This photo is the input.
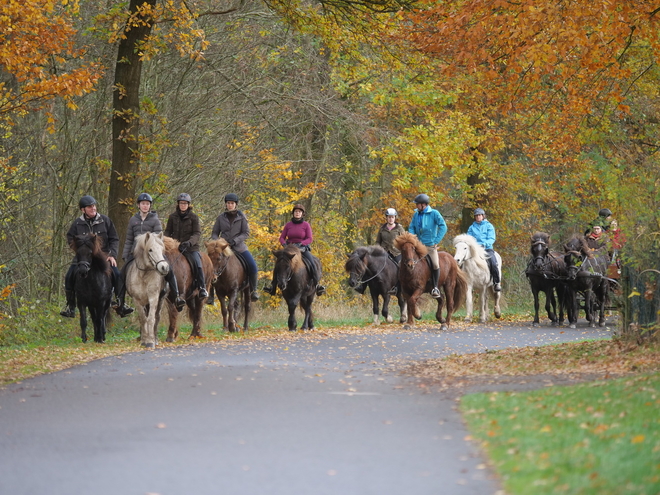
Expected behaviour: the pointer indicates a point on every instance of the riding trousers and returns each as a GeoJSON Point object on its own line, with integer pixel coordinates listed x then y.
{"type": "Point", "coordinates": [492, 266]}
{"type": "Point", "coordinates": [433, 254]}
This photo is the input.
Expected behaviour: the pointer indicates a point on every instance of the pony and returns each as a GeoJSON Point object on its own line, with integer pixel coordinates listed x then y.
{"type": "Point", "coordinates": [586, 270]}
{"type": "Point", "coordinates": [546, 272]}
{"type": "Point", "coordinates": [295, 282]}
{"type": "Point", "coordinates": [472, 259]}
{"type": "Point", "coordinates": [93, 284]}
{"type": "Point", "coordinates": [230, 280]}
{"type": "Point", "coordinates": [414, 274]}
{"type": "Point", "coordinates": [145, 282]}
{"type": "Point", "coordinates": [186, 281]}
{"type": "Point", "coordinates": [371, 265]}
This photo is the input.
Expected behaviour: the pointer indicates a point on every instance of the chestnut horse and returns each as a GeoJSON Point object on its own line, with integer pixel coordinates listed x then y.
{"type": "Point", "coordinates": [93, 284]}
{"type": "Point", "coordinates": [293, 279]}
{"type": "Point", "coordinates": [185, 279]}
{"type": "Point", "coordinates": [414, 276]}
{"type": "Point", "coordinates": [230, 281]}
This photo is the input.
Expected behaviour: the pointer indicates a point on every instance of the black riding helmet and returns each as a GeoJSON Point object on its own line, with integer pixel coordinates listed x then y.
{"type": "Point", "coordinates": [231, 197]}
{"type": "Point", "coordinates": [144, 197]}
{"type": "Point", "coordinates": [86, 201]}
{"type": "Point", "coordinates": [422, 198]}
{"type": "Point", "coordinates": [184, 197]}
{"type": "Point", "coordinates": [605, 212]}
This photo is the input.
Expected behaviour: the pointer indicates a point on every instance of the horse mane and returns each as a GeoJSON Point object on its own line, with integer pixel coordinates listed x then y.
{"type": "Point", "coordinates": [171, 245]}
{"type": "Point", "coordinates": [293, 253]}
{"type": "Point", "coordinates": [407, 237]}
{"type": "Point", "coordinates": [220, 247]}
{"type": "Point", "coordinates": [356, 257]}
{"type": "Point", "coordinates": [477, 252]}
{"type": "Point", "coordinates": [96, 244]}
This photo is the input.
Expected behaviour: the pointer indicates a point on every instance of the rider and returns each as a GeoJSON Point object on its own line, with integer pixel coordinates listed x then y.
{"type": "Point", "coordinates": [183, 225]}
{"type": "Point", "coordinates": [484, 232]}
{"type": "Point", "coordinates": [429, 227]}
{"type": "Point", "coordinates": [596, 238]}
{"type": "Point", "coordinates": [92, 222]}
{"type": "Point", "coordinates": [299, 233]}
{"type": "Point", "coordinates": [604, 219]}
{"type": "Point", "coordinates": [389, 231]}
{"type": "Point", "coordinates": [232, 226]}
{"type": "Point", "coordinates": [145, 220]}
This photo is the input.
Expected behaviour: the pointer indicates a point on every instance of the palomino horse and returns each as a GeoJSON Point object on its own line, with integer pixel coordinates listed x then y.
{"type": "Point", "coordinates": [587, 271]}
{"type": "Point", "coordinates": [371, 265]}
{"type": "Point", "coordinates": [414, 276]}
{"type": "Point", "coordinates": [546, 272]}
{"type": "Point", "coordinates": [185, 279]}
{"type": "Point", "coordinates": [145, 282]}
{"type": "Point", "coordinates": [230, 281]}
{"type": "Point", "coordinates": [93, 284]}
{"type": "Point", "coordinates": [296, 285]}
{"type": "Point", "coordinates": [472, 259]}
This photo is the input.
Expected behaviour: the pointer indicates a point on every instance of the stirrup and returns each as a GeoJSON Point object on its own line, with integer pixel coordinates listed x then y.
{"type": "Point", "coordinates": [320, 290]}
{"type": "Point", "coordinates": [179, 303]}
{"type": "Point", "coordinates": [68, 312]}
{"type": "Point", "coordinates": [124, 310]}
{"type": "Point", "coordinates": [202, 292]}
{"type": "Point", "coordinates": [497, 287]}
{"type": "Point", "coordinates": [435, 292]}
{"type": "Point", "coordinates": [210, 301]}
{"type": "Point", "coordinates": [254, 295]}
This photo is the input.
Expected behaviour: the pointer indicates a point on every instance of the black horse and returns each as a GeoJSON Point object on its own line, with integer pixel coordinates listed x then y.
{"type": "Point", "coordinates": [93, 284]}
{"type": "Point", "coordinates": [586, 274]}
{"type": "Point", "coordinates": [546, 272]}
{"type": "Point", "coordinates": [371, 265]}
{"type": "Point", "coordinates": [296, 283]}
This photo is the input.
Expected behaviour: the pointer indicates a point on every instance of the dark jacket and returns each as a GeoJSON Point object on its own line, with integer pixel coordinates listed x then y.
{"type": "Point", "coordinates": [184, 228]}
{"type": "Point", "coordinates": [232, 228]}
{"type": "Point", "coordinates": [385, 238]}
{"type": "Point", "coordinates": [100, 225]}
{"type": "Point", "coordinates": [136, 227]}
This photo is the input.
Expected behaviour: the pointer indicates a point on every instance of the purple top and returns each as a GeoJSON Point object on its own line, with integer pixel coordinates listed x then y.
{"type": "Point", "coordinates": [297, 233]}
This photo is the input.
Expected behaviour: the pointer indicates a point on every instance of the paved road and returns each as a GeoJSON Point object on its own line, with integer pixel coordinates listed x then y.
{"type": "Point", "coordinates": [311, 415]}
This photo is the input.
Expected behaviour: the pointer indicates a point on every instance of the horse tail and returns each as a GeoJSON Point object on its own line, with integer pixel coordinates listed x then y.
{"type": "Point", "coordinates": [460, 288]}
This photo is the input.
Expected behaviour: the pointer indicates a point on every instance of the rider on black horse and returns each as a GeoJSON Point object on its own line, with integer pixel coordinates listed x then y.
{"type": "Point", "coordinates": [389, 231]}
{"type": "Point", "coordinates": [484, 232]}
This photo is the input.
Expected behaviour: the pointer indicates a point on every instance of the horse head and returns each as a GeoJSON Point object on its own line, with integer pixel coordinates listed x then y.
{"type": "Point", "coordinates": [576, 252]}
{"type": "Point", "coordinates": [356, 266]}
{"type": "Point", "coordinates": [86, 246]}
{"type": "Point", "coordinates": [287, 262]}
{"type": "Point", "coordinates": [149, 252]}
{"type": "Point", "coordinates": [540, 247]}
{"type": "Point", "coordinates": [219, 252]}
{"type": "Point", "coordinates": [412, 249]}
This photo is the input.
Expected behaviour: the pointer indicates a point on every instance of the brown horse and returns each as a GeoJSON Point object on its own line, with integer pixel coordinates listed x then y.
{"type": "Point", "coordinates": [185, 279]}
{"type": "Point", "coordinates": [230, 281]}
{"type": "Point", "coordinates": [414, 276]}
{"type": "Point", "coordinates": [293, 279]}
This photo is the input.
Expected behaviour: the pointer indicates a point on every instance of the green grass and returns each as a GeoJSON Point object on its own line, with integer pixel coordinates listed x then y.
{"type": "Point", "coordinates": [601, 438]}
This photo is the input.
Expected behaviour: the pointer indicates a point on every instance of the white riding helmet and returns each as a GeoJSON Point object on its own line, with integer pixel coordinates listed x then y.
{"type": "Point", "coordinates": [390, 212]}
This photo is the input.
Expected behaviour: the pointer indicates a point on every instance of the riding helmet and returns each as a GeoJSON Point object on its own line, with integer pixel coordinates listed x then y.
{"type": "Point", "coordinates": [422, 198]}
{"type": "Point", "coordinates": [298, 207]}
{"type": "Point", "coordinates": [390, 212]}
{"type": "Point", "coordinates": [479, 211]}
{"type": "Point", "coordinates": [231, 197]}
{"type": "Point", "coordinates": [145, 197]}
{"type": "Point", "coordinates": [184, 197]}
{"type": "Point", "coordinates": [86, 201]}
{"type": "Point", "coordinates": [605, 212]}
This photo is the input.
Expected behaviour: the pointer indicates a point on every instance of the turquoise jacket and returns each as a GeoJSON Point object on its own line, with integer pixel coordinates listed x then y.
{"type": "Point", "coordinates": [428, 226]}
{"type": "Point", "coordinates": [483, 232]}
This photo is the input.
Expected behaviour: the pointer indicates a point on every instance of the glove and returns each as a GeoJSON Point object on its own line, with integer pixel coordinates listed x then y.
{"type": "Point", "coordinates": [183, 246]}
{"type": "Point", "coordinates": [232, 243]}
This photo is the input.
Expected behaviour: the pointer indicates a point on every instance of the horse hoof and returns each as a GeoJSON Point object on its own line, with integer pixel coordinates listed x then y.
{"type": "Point", "coordinates": [169, 339]}
{"type": "Point", "coordinates": [444, 328]}
{"type": "Point", "coordinates": [468, 320]}
{"type": "Point", "coordinates": [150, 345]}
{"type": "Point", "coordinates": [390, 319]}
{"type": "Point", "coordinates": [498, 314]}
{"type": "Point", "coordinates": [572, 325]}
{"type": "Point", "coordinates": [537, 324]}
{"type": "Point", "coordinates": [407, 327]}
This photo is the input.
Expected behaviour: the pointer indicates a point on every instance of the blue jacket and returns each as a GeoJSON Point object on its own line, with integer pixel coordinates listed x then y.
{"type": "Point", "coordinates": [428, 226]}
{"type": "Point", "coordinates": [483, 232]}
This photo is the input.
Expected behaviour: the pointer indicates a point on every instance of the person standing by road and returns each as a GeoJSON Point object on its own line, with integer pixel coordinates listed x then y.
{"type": "Point", "coordinates": [430, 228]}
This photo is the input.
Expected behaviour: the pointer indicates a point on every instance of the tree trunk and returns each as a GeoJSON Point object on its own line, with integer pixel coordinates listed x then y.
{"type": "Point", "coordinates": [125, 119]}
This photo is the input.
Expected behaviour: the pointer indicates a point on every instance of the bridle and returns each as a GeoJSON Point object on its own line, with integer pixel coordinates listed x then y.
{"type": "Point", "coordinates": [154, 264]}
{"type": "Point", "coordinates": [360, 281]}
{"type": "Point", "coordinates": [414, 261]}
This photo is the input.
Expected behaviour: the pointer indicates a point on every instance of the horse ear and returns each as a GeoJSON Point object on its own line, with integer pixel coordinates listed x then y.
{"type": "Point", "coordinates": [161, 235]}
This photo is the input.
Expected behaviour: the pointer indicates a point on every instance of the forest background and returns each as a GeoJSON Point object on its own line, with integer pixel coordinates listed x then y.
{"type": "Point", "coordinates": [540, 113]}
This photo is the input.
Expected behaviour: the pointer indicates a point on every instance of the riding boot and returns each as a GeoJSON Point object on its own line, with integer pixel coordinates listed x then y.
{"type": "Point", "coordinates": [211, 299]}
{"type": "Point", "coordinates": [69, 310]}
{"type": "Point", "coordinates": [179, 302]}
{"type": "Point", "coordinates": [494, 274]}
{"type": "Point", "coordinates": [435, 276]}
{"type": "Point", "coordinates": [254, 292]}
{"type": "Point", "coordinates": [320, 289]}
{"type": "Point", "coordinates": [201, 284]}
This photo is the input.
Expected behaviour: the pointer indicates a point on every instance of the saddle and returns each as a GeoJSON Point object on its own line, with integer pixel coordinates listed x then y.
{"type": "Point", "coordinates": [242, 260]}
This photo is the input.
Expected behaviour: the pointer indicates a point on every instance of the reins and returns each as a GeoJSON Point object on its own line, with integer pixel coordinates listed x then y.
{"type": "Point", "coordinates": [377, 273]}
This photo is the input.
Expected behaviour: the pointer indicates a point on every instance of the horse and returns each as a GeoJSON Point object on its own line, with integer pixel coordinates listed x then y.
{"type": "Point", "coordinates": [372, 265]}
{"type": "Point", "coordinates": [185, 279]}
{"type": "Point", "coordinates": [473, 260]}
{"type": "Point", "coordinates": [145, 282]}
{"type": "Point", "coordinates": [414, 276]}
{"type": "Point", "coordinates": [587, 271]}
{"type": "Point", "coordinates": [230, 280]}
{"type": "Point", "coordinates": [546, 272]}
{"type": "Point", "coordinates": [93, 284]}
{"type": "Point", "coordinates": [295, 282]}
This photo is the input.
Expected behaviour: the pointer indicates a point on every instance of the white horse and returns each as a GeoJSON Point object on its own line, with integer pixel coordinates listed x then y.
{"type": "Point", "coordinates": [471, 257]}
{"type": "Point", "coordinates": [145, 282]}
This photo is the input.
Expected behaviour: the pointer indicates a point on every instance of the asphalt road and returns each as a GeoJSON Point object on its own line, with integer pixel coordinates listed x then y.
{"type": "Point", "coordinates": [311, 415]}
